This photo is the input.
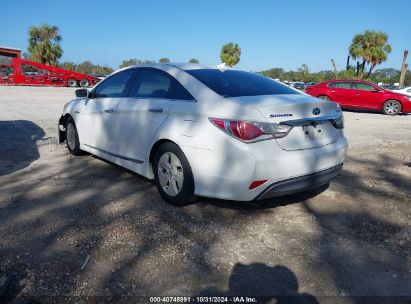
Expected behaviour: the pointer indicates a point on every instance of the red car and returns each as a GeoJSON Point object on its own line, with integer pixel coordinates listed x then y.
{"type": "Point", "coordinates": [358, 94]}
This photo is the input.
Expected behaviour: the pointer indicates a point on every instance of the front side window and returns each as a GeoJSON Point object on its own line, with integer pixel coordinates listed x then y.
{"type": "Point", "coordinates": [151, 84]}
{"type": "Point", "coordinates": [233, 83]}
{"type": "Point", "coordinates": [113, 86]}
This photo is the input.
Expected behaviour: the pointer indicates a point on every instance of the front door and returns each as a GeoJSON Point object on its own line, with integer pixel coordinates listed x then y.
{"type": "Point", "coordinates": [367, 96]}
{"type": "Point", "coordinates": [97, 118]}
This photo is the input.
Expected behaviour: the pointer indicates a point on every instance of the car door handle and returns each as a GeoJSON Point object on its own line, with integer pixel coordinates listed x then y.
{"type": "Point", "coordinates": [332, 91]}
{"type": "Point", "coordinates": [156, 110]}
{"type": "Point", "coordinates": [109, 111]}
{"type": "Point", "coordinates": [357, 94]}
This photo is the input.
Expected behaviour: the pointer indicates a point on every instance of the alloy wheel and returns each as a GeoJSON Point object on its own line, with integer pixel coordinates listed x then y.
{"type": "Point", "coordinates": [71, 136]}
{"type": "Point", "coordinates": [170, 173]}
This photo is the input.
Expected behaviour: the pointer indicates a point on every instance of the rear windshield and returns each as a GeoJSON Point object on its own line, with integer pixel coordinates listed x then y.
{"type": "Point", "coordinates": [233, 83]}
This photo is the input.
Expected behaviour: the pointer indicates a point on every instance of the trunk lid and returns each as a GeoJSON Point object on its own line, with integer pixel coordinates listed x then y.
{"type": "Point", "coordinates": [309, 116]}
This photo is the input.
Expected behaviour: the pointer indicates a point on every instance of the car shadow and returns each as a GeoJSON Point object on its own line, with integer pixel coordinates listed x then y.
{"type": "Point", "coordinates": [18, 141]}
{"type": "Point", "coordinates": [263, 283]}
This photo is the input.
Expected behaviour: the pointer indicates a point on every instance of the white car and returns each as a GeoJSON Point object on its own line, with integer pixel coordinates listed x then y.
{"type": "Point", "coordinates": [405, 91]}
{"type": "Point", "coordinates": [208, 131]}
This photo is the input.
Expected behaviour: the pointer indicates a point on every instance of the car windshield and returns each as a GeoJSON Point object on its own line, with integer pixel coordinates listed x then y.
{"type": "Point", "coordinates": [233, 83]}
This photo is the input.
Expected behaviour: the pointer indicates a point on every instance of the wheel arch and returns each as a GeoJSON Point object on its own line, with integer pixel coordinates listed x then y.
{"type": "Point", "coordinates": [394, 99]}
{"type": "Point", "coordinates": [62, 130]}
{"type": "Point", "coordinates": [156, 146]}
{"type": "Point", "coordinates": [391, 99]}
{"type": "Point", "coordinates": [319, 95]}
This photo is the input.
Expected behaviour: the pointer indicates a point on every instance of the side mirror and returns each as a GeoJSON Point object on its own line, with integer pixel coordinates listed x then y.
{"type": "Point", "coordinates": [81, 93]}
{"type": "Point", "coordinates": [376, 90]}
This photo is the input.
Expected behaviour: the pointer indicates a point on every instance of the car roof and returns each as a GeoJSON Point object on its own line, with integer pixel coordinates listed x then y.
{"type": "Point", "coordinates": [350, 80]}
{"type": "Point", "coordinates": [182, 66]}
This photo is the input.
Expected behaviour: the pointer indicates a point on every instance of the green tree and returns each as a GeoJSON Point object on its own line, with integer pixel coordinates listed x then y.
{"type": "Point", "coordinates": [85, 67]}
{"type": "Point", "coordinates": [372, 47]}
{"type": "Point", "coordinates": [275, 73]}
{"type": "Point", "coordinates": [68, 66]}
{"type": "Point", "coordinates": [134, 61]}
{"type": "Point", "coordinates": [304, 72]}
{"type": "Point", "coordinates": [193, 60]}
{"type": "Point", "coordinates": [230, 54]}
{"type": "Point", "coordinates": [44, 44]}
{"type": "Point", "coordinates": [164, 59]}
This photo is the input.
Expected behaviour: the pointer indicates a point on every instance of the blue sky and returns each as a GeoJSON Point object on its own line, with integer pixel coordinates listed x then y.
{"type": "Point", "coordinates": [270, 33]}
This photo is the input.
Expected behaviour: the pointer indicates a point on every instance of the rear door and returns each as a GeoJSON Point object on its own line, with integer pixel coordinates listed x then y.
{"type": "Point", "coordinates": [342, 93]}
{"type": "Point", "coordinates": [97, 118]}
{"type": "Point", "coordinates": [139, 116]}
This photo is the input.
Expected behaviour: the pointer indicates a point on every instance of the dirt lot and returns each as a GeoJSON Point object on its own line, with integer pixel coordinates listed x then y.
{"type": "Point", "coordinates": [352, 240]}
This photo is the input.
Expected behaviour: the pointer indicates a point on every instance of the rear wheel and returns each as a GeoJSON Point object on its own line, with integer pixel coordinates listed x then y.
{"type": "Point", "coordinates": [72, 141]}
{"type": "Point", "coordinates": [71, 83]}
{"type": "Point", "coordinates": [84, 83]}
{"type": "Point", "coordinates": [173, 176]}
{"type": "Point", "coordinates": [391, 107]}
{"type": "Point", "coordinates": [324, 97]}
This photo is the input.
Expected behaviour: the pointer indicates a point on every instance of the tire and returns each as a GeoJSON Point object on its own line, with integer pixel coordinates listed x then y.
{"type": "Point", "coordinates": [71, 83]}
{"type": "Point", "coordinates": [72, 141]}
{"type": "Point", "coordinates": [173, 175]}
{"type": "Point", "coordinates": [324, 97]}
{"type": "Point", "coordinates": [391, 107]}
{"type": "Point", "coordinates": [84, 83]}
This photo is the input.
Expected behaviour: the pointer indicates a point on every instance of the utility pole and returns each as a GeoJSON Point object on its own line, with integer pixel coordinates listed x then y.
{"type": "Point", "coordinates": [403, 68]}
{"type": "Point", "coordinates": [334, 68]}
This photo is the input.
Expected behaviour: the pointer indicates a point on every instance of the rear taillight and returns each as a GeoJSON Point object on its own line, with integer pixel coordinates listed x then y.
{"type": "Point", "coordinates": [249, 131]}
{"type": "Point", "coordinates": [338, 123]}
{"type": "Point", "coordinates": [245, 130]}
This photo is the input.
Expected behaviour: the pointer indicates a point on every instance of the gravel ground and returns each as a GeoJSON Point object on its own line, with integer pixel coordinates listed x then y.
{"type": "Point", "coordinates": [80, 228]}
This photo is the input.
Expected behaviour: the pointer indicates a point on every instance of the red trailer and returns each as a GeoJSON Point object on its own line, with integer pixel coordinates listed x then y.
{"type": "Point", "coordinates": [25, 72]}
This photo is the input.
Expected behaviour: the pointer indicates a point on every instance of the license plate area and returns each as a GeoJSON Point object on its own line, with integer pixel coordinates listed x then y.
{"type": "Point", "coordinates": [313, 131]}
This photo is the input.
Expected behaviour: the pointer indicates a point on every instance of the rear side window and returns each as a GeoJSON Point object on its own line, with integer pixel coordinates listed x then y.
{"type": "Point", "coordinates": [151, 84]}
{"type": "Point", "coordinates": [113, 86]}
{"type": "Point", "coordinates": [340, 85]}
{"type": "Point", "coordinates": [233, 83]}
{"type": "Point", "coordinates": [179, 92]}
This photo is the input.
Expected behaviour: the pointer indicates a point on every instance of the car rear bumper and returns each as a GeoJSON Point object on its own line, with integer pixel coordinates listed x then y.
{"type": "Point", "coordinates": [228, 174]}
{"type": "Point", "coordinates": [301, 183]}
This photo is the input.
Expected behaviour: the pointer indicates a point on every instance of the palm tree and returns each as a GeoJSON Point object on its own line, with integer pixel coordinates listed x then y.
{"type": "Point", "coordinates": [164, 59]}
{"type": "Point", "coordinates": [230, 54]}
{"type": "Point", "coordinates": [44, 44]}
{"type": "Point", "coordinates": [193, 60]}
{"type": "Point", "coordinates": [372, 47]}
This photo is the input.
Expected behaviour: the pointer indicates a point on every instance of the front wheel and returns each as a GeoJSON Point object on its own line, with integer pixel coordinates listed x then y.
{"type": "Point", "coordinates": [391, 107]}
{"type": "Point", "coordinates": [173, 176]}
{"type": "Point", "coordinates": [73, 143]}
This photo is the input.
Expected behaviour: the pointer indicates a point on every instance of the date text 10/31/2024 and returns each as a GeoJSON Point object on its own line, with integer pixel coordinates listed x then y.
{"type": "Point", "coordinates": [203, 299]}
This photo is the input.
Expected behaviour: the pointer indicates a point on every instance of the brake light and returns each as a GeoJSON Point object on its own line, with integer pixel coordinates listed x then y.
{"type": "Point", "coordinates": [245, 130]}
{"type": "Point", "coordinates": [249, 131]}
